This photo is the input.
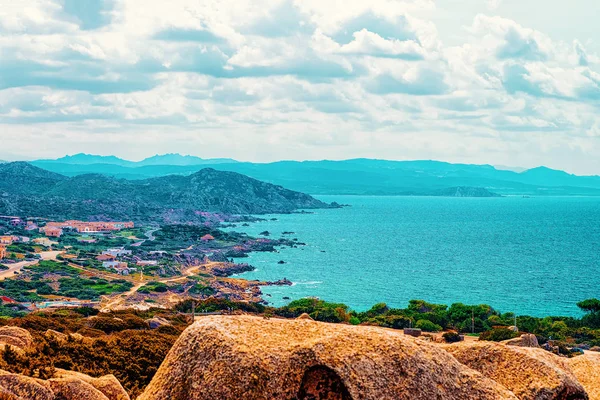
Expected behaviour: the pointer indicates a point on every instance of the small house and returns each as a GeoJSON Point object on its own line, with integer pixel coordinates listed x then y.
{"type": "Point", "coordinates": [143, 263]}
{"type": "Point", "coordinates": [114, 264]}
{"type": "Point", "coordinates": [7, 240]}
{"type": "Point", "coordinates": [207, 238]}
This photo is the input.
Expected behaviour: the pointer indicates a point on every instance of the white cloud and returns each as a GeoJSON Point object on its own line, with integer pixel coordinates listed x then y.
{"type": "Point", "coordinates": [310, 78]}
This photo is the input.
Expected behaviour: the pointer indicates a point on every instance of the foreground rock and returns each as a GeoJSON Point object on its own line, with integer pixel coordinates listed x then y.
{"type": "Point", "coordinates": [74, 389]}
{"type": "Point", "coordinates": [587, 369]}
{"type": "Point", "coordinates": [531, 374]}
{"type": "Point", "coordinates": [17, 338]}
{"type": "Point", "coordinates": [247, 357]}
{"type": "Point", "coordinates": [66, 385]}
{"type": "Point", "coordinates": [16, 387]}
{"type": "Point", "coordinates": [108, 385]}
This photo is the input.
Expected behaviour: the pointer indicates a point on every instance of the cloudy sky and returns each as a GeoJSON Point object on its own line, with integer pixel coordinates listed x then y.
{"type": "Point", "coordinates": [507, 82]}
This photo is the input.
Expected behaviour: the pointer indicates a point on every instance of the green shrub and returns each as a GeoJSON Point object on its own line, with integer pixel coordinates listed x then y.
{"type": "Point", "coordinates": [354, 321]}
{"type": "Point", "coordinates": [427, 326]}
{"type": "Point", "coordinates": [498, 335]}
{"type": "Point", "coordinates": [451, 337]}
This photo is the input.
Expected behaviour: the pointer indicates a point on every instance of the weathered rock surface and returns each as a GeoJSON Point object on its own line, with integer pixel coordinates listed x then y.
{"type": "Point", "coordinates": [587, 370]}
{"type": "Point", "coordinates": [108, 385]}
{"type": "Point", "coordinates": [17, 387]}
{"type": "Point", "coordinates": [245, 357]}
{"type": "Point", "coordinates": [74, 389]}
{"type": "Point", "coordinates": [157, 322]}
{"type": "Point", "coordinates": [66, 385]}
{"type": "Point", "coordinates": [527, 340]}
{"type": "Point", "coordinates": [531, 374]}
{"type": "Point", "coordinates": [17, 338]}
{"type": "Point", "coordinates": [58, 336]}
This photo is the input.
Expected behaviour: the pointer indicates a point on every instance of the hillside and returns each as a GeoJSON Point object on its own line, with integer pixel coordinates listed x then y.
{"type": "Point", "coordinates": [358, 176]}
{"type": "Point", "coordinates": [28, 190]}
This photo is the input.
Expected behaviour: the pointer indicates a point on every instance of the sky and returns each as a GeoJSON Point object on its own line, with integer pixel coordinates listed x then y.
{"type": "Point", "coordinates": [502, 82]}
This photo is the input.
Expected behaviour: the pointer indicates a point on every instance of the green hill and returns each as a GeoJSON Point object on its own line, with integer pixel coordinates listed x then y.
{"type": "Point", "coordinates": [31, 191]}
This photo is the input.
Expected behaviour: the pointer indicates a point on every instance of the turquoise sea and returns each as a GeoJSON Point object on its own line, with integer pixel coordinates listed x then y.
{"type": "Point", "coordinates": [535, 256]}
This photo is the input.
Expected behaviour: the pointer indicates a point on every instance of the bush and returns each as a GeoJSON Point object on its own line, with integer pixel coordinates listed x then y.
{"type": "Point", "coordinates": [498, 335]}
{"type": "Point", "coordinates": [427, 326]}
{"type": "Point", "coordinates": [451, 337]}
{"type": "Point", "coordinates": [354, 321]}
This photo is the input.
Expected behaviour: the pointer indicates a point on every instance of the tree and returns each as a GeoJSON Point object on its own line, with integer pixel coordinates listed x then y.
{"type": "Point", "coordinates": [592, 308]}
{"type": "Point", "coordinates": [590, 305]}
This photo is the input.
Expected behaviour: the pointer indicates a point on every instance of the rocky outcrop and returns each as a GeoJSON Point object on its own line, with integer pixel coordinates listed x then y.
{"type": "Point", "coordinates": [108, 385]}
{"type": "Point", "coordinates": [74, 389]}
{"type": "Point", "coordinates": [66, 385]}
{"type": "Point", "coordinates": [17, 387]}
{"type": "Point", "coordinates": [527, 340]}
{"type": "Point", "coordinates": [587, 369]}
{"type": "Point", "coordinates": [157, 322]}
{"type": "Point", "coordinates": [531, 374]}
{"type": "Point", "coordinates": [17, 338]}
{"type": "Point", "coordinates": [247, 357]}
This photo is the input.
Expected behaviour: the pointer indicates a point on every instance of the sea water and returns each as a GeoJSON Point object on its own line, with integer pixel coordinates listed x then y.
{"type": "Point", "coordinates": [537, 256]}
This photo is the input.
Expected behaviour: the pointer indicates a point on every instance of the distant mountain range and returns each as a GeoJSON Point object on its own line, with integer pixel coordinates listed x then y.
{"type": "Point", "coordinates": [82, 159]}
{"type": "Point", "coordinates": [27, 190]}
{"type": "Point", "coordinates": [357, 176]}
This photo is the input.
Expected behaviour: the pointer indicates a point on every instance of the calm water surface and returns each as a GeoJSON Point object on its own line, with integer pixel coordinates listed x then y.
{"type": "Point", "coordinates": [536, 256]}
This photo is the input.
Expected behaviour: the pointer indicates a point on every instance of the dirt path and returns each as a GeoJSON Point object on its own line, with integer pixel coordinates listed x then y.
{"type": "Point", "coordinates": [17, 267]}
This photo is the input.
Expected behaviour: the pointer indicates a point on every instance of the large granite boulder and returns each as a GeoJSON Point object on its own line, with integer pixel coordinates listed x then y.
{"type": "Point", "coordinates": [531, 374]}
{"type": "Point", "coordinates": [244, 357]}
{"type": "Point", "coordinates": [74, 389]}
{"type": "Point", "coordinates": [18, 339]}
{"type": "Point", "coordinates": [108, 385]}
{"type": "Point", "coordinates": [65, 385]}
{"type": "Point", "coordinates": [19, 387]}
{"type": "Point", "coordinates": [587, 369]}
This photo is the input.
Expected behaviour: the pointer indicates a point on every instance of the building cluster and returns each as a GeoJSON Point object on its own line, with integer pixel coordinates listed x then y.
{"type": "Point", "coordinates": [7, 240]}
{"type": "Point", "coordinates": [55, 229]}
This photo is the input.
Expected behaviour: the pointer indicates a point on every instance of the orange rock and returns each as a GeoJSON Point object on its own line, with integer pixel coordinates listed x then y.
{"type": "Point", "coordinates": [18, 338]}
{"type": "Point", "coordinates": [19, 387]}
{"type": "Point", "coordinates": [531, 374]}
{"type": "Point", "coordinates": [74, 389]}
{"type": "Point", "coordinates": [587, 369]}
{"type": "Point", "coordinates": [244, 357]}
{"type": "Point", "coordinates": [108, 384]}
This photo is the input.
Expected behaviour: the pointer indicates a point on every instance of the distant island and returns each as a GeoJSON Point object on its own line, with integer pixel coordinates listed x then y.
{"type": "Point", "coordinates": [351, 177]}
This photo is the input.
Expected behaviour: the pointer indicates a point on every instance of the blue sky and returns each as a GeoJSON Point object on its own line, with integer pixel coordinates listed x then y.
{"type": "Point", "coordinates": [479, 81]}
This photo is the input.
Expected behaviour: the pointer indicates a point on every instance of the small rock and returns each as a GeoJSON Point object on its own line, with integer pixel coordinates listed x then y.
{"type": "Point", "coordinates": [527, 340]}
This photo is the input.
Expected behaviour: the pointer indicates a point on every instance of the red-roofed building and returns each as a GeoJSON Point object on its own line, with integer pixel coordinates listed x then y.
{"type": "Point", "coordinates": [7, 300]}
{"type": "Point", "coordinates": [106, 257]}
{"type": "Point", "coordinates": [207, 238]}
{"type": "Point", "coordinates": [52, 231]}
